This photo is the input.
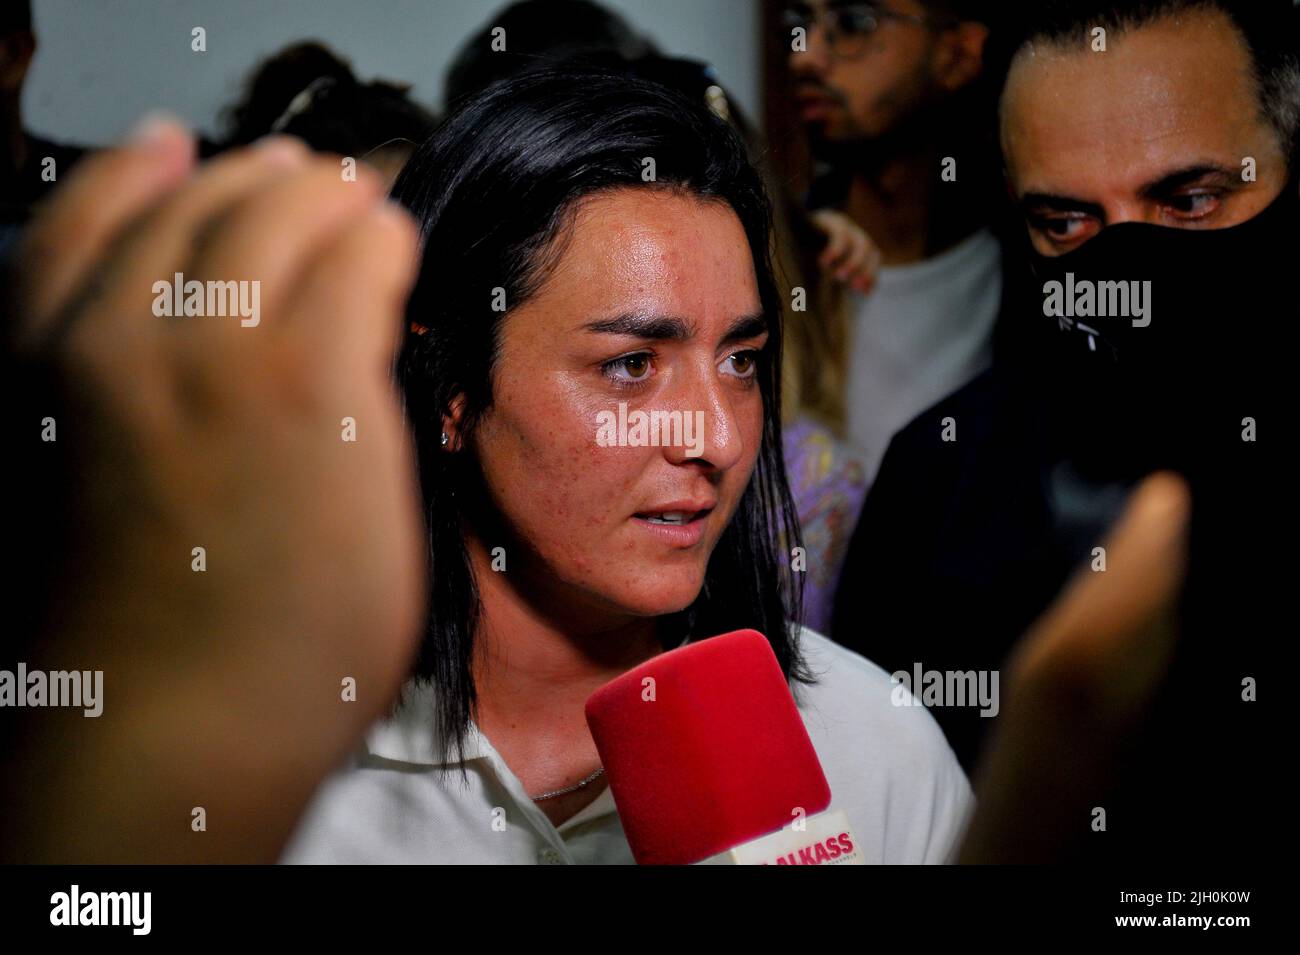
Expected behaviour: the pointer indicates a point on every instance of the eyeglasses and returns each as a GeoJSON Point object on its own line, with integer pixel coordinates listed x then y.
{"type": "Point", "coordinates": [849, 26]}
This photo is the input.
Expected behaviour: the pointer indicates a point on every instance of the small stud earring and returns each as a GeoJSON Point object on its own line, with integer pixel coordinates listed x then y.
{"type": "Point", "coordinates": [445, 439]}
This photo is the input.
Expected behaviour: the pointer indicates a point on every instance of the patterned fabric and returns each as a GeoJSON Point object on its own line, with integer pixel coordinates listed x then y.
{"type": "Point", "coordinates": [829, 482]}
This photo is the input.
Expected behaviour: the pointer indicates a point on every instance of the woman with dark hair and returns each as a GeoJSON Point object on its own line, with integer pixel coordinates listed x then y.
{"type": "Point", "coordinates": [595, 247]}
{"type": "Point", "coordinates": [828, 479]}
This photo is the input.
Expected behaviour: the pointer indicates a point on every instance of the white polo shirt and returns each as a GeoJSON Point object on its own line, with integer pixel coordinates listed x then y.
{"type": "Point", "coordinates": [398, 801]}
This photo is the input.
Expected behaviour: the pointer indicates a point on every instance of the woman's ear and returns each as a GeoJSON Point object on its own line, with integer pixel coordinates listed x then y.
{"type": "Point", "coordinates": [451, 423]}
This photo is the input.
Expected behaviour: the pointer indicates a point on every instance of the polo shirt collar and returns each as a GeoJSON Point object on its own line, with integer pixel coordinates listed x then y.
{"type": "Point", "coordinates": [406, 735]}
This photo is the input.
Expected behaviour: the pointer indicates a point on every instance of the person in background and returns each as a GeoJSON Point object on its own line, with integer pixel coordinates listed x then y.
{"type": "Point", "coordinates": [828, 474]}
{"type": "Point", "coordinates": [30, 166]}
{"type": "Point", "coordinates": [894, 97]}
{"type": "Point", "coordinates": [542, 33]}
{"type": "Point", "coordinates": [1167, 161]}
{"type": "Point", "coordinates": [308, 91]}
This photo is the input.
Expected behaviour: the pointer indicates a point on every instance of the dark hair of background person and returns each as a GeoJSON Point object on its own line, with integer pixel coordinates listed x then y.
{"type": "Point", "coordinates": [356, 119]}
{"type": "Point", "coordinates": [308, 91]}
{"type": "Point", "coordinates": [15, 15]}
{"type": "Point", "coordinates": [541, 33]}
{"type": "Point", "coordinates": [274, 83]}
{"type": "Point", "coordinates": [1270, 28]}
{"type": "Point", "coordinates": [494, 190]}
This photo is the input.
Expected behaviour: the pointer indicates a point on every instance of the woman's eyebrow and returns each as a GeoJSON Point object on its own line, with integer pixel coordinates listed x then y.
{"type": "Point", "coordinates": [747, 326]}
{"type": "Point", "coordinates": [672, 328]}
{"type": "Point", "coordinates": [641, 325]}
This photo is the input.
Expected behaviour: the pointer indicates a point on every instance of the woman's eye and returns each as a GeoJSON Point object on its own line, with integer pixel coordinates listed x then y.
{"type": "Point", "coordinates": [1193, 206]}
{"type": "Point", "coordinates": [744, 363]}
{"type": "Point", "coordinates": [629, 368]}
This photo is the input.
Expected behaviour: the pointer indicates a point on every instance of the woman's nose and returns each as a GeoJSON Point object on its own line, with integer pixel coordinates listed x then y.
{"type": "Point", "coordinates": [710, 424]}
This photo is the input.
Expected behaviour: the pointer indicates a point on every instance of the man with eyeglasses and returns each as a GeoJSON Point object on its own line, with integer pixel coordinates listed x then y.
{"type": "Point", "coordinates": [892, 95]}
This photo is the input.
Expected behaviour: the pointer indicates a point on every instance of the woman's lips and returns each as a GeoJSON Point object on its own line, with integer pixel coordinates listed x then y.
{"type": "Point", "coordinates": [686, 534]}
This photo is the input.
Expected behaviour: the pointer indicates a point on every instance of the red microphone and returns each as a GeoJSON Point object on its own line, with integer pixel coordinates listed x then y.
{"type": "Point", "coordinates": [709, 761]}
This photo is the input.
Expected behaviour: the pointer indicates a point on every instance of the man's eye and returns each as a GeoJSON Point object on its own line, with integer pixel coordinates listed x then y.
{"type": "Point", "coordinates": [1194, 205]}
{"type": "Point", "coordinates": [744, 363]}
{"type": "Point", "coordinates": [1063, 228]}
{"type": "Point", "coordinates": [855, 20]}
{"type": "Point", "coordinates": [796, 16]}
{"type": "Point", "coordinates": [629, 368]}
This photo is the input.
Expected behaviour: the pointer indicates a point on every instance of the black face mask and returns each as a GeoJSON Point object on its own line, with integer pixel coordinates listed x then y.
{"type": "Point", "coordinates": [1169, 338]}
{"type": "Point", "coordinates": [1213, 355]}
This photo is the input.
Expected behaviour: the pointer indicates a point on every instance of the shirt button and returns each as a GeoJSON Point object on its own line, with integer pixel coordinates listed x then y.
{"type": "Point", "coordinates": [549, 856]}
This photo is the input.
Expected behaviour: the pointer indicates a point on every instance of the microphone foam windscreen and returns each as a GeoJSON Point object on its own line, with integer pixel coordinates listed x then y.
{"type": "Point", "coordinates": [704, 749]}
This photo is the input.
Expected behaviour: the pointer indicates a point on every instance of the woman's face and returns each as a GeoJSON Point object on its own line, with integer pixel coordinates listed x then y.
{"type": "Point", "coordinates": [652, 306]}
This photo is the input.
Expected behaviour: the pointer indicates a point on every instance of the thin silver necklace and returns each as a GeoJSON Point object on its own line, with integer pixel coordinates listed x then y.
{"type": "Point", "coordinates": [568, 789]}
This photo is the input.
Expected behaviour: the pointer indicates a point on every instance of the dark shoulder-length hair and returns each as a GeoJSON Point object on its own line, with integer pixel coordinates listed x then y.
{"type": "Point", "coordinates": [494, 190]}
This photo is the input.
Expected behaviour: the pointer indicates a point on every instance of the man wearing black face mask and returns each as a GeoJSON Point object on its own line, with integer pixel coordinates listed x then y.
{"type": "Point", "coordinates": [1151, 148]}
